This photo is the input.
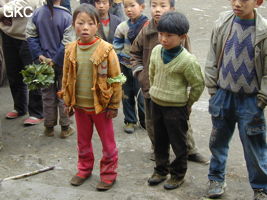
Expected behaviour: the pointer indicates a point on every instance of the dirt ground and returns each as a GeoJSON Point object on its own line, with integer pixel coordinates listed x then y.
{"type": "Point", "coordinates": [26, 149]}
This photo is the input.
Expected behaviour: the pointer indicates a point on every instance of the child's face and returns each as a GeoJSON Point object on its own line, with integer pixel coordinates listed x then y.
{"type": "Point", "coordinates": [159, 7]}
{"type": "Point", "coordinates": [244, 8]}
{"type": "Point", "coordinates": [170, 40]}
{"type": "Point", "coordinates": [132, 9]}
{"type": "Point", "coordinates": [85, 27]}
{"type": "Point", "coordinates": [102, 7]}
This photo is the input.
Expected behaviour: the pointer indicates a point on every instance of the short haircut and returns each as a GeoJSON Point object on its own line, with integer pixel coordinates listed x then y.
{"type": "Point", "coordinates": [172, 3]}
{"type": "Point", "coordinates": [110, 2]}
{"type": "Point", "coordinates": [89, 10]}
{"type": "Point", "coordinates": [173, 22]}
{"type": "Point", "coordinates": [140, 2]}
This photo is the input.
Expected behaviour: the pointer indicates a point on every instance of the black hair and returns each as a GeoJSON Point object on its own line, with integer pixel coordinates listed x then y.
{"type": "Point", "coordinates": [89, 10]}
{"type": "Point", "coordinates": [50, 4]}
{"type": "Point", "coordinates": [140, 2]}
{"type": "Point", "coordinates": [173, 22]}
{"type": "Point", "coordinates": [172, 3]}
{"type": "Point", "coordinates": [110, 2]}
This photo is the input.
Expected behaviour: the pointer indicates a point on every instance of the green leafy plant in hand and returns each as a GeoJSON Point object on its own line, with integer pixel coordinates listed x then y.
{"type": "Point", "coordinates": [38, 76]}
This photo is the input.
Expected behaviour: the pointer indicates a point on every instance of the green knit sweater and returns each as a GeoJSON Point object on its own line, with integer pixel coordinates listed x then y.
{"type": "Point", "coordinates": [169, 83]}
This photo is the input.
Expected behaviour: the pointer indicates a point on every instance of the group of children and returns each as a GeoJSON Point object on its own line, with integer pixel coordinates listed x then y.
{"type": "Point", "coordinates": [155, 55]}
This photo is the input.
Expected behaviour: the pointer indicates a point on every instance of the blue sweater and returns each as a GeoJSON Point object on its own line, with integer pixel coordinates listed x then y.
{"type": "Point", "coordinates": [47, 35]}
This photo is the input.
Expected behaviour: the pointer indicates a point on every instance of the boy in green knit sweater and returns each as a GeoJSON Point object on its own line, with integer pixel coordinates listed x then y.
{"type": "Point", "coordinates": [172, 70]}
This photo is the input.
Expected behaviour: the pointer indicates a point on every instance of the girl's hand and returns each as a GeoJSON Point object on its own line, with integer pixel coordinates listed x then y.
{"type": "Point", "coordinates": [112, 113]}
{"type": "Point", "coordinates": [44, 59]}
{"type": "Point", "coordinates": [68, 111]}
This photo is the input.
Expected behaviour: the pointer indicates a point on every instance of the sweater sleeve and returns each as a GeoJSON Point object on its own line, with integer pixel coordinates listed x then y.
{"type": "Point", "coordinates": [194, 77]}
{"type": "Point", "coordinates": [118, 42]}
{"type": "Point", "coordinates": [114, 71]}
{"type": "Point", "coordinates": [33, 39]}
{"type": "Point", "coordinates": [152, 67]}
{"type": "Point", "coordinates": [67, 38]}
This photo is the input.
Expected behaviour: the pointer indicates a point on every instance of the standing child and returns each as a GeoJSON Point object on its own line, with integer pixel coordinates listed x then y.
{"type": "Point", "coordinates": [109, 22]}
{"type": "Point", "coordinates": [124, 37]}
{"type": "Point", "coordinates": [236, 77]}
{"type": "Point", "coordinates": [141, 50]}
{"type": "Point", "coordinates": [91, 85]}
{"type": "Point", "coordinates": [48, 32]}
{"type": "Point", "coordinates": [172, 70]}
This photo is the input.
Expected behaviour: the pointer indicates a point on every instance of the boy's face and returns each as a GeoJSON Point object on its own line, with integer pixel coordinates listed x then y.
{"type": "Point", "coordinates": [170, 40]}
{"type": "Point", "coordinates": [244, 8]}
{"type": "Point", "coordinates": [132, 9]}
{"type": "Point", "coordinates": [102, 7]}
{"type": "Point", "coordinates": [159, 7]}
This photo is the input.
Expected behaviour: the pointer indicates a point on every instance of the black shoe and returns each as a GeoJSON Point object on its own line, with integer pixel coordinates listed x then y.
{"type": "Point", "coordinates": [156, 179]}
{"type": "Point", "coordinates": [216, 189]}
{"type": "Point", "coordinates": [198, 158]}
{"type": "Point", "coordinates": [173, 183]}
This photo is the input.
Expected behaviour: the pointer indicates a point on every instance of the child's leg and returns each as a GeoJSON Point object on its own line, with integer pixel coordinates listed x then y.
{"type": "Point", "coordinates": [175, 120]}
{"type": "Point", "coordinates": [128, 100]}
{"type": "Point", "coordinates": [252, 130]}
{"type": "Point", "coordinates": [148, 121]}
{"type": "Point", "coordinates": [140, 102]}
{"type": "Point", "coordinates": [50, 105]}
{"type": "Point", "coordinates": [64, 118]}
{"type": "Point", "coordinates": [223, 126]}
{"type": "Point", "coordinates": [84, 124]}
{"type": "Point", "coordinates": [162, 143]}
{"type": "Point", "coordinates": [109, 161]}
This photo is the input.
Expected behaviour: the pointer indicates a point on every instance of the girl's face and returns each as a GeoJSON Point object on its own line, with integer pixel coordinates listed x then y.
{"type": "Point", "coordinates": [85, 27]}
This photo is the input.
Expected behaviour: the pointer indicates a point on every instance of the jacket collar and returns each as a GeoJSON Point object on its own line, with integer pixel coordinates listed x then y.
{"type": "Point", "coordinates": [151, 28]}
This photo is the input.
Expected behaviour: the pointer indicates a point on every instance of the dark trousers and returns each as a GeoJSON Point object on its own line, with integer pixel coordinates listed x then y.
{"type": "Point", "coordinates": [17, 56]}
{"type": "Point", "coordinates": [170, 128]}
{"type": "Point", "coordinates": [132, 95]}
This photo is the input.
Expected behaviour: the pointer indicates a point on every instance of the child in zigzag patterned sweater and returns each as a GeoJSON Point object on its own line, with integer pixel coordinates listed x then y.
{"type": "Point", "coordinates": [236, 77]}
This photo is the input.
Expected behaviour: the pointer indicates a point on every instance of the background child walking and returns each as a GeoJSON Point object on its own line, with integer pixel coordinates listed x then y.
{"type": "Point", "coordinates": [125, 34]}
{"type": "Point", "coordinates": [90, 84]}
{"type": "Point", "coordinates": [141, 50]}
{"type": "Point", "coordinates": [236, 79]}
{"type": "Point", "coordinates": [172, 70]}
{"type": "Point", "coordinates": [48, 32]}
{"type": "Point", "coordinates": [109, 22]}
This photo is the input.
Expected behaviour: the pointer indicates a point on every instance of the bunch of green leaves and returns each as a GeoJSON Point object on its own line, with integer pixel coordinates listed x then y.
{"type": "Point", "coordinates": [38, 76]}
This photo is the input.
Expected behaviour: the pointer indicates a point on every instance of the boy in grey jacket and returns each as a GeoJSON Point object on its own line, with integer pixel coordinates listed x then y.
{"type": "Point", "coordinates": [236, 77]}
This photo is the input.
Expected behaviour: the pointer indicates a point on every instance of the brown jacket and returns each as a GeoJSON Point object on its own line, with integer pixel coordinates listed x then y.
{"type": "Point", "coordinates": [141, 50]}
{"type": "Point", "coordinates": [105, 95]}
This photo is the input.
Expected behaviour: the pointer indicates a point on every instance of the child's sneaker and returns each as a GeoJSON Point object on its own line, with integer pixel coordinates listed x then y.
{"type": "Point", "coordinates": [156, 179]}
{"type": "Point", "coordinates": [173, 183]}
{"type": "Point", "coordinates": [49, 131]}
{"type": "Point", "coordinates": [66, 131]}
{"type": "Point", "coordinates": [129, 128]}
{"type": "Point", "coordinates": [259, 194]}
{"type": "Point", "coordinates": [216, 189]}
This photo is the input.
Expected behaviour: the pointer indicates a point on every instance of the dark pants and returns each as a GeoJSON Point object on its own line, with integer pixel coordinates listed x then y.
{"type": "Point", "coordinates": [52, 104]}
{"type": "Point", "coordinates": [170, 128]}
{"type": "Point", "coordinates": [17, 56]}
{"type": "Point", "coordinates": [132, 95]}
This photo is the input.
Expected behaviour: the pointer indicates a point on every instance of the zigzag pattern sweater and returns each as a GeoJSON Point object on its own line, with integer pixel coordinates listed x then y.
{"type": "Point", "coordinates": [237, 72]}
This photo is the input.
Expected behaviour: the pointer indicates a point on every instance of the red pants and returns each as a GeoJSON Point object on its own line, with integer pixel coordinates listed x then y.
{"type": "Point", "coordinates": [104, 127]}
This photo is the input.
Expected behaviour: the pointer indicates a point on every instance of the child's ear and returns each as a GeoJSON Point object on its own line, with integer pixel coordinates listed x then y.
{"type": "Point", "coordinates": [143, 6]}
{"type": "Point", "coordinates": [258, 3]}
{"type": "Point", "coordinates": [172, 9]}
